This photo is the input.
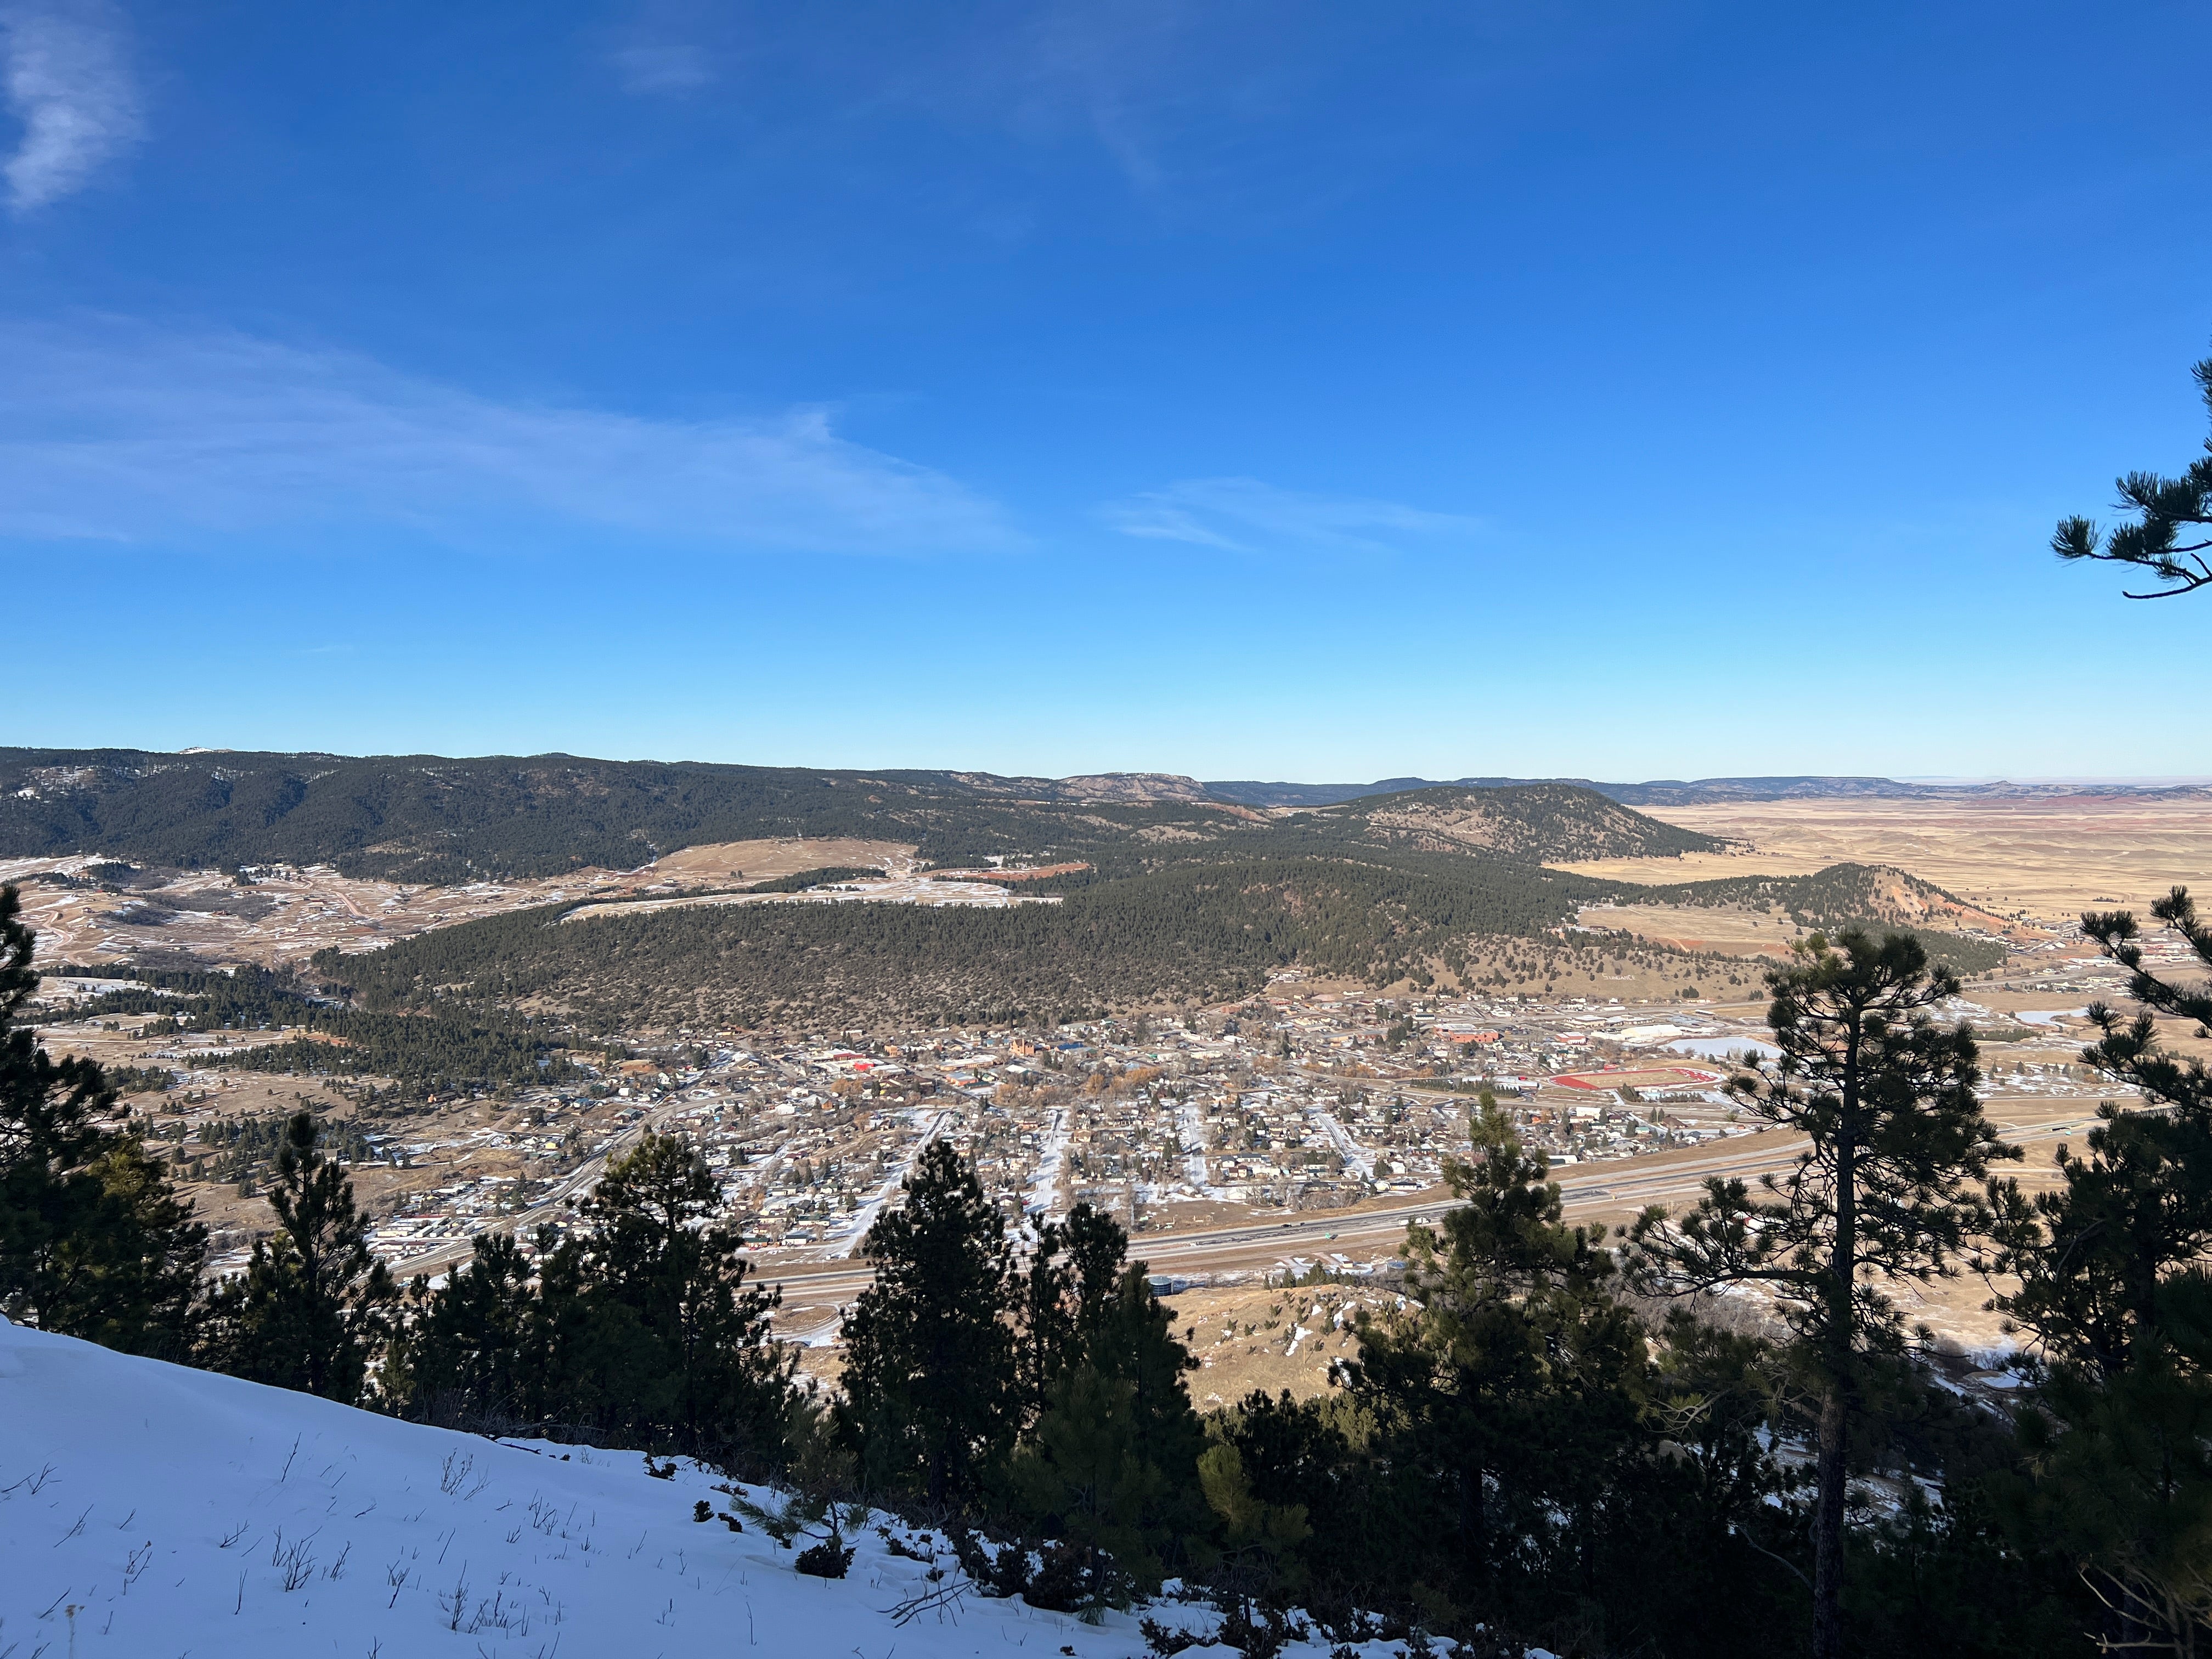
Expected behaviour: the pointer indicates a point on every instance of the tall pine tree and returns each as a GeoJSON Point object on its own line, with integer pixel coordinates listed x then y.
{"type": "Point", "coordinates": [474, 1352]}
{"type": "Point", "coordinates": [657, 1274]}
{"type": "Point", "coordinates": [1109, 1464]}
{"type": "Point", "coordinates": [1504, 1396]}
{"type": "Point", "coordinates": [314, 1305]}
{"type": "Point", "coordinates": [930, 1393]}
{"type": "Point", "coordinates": [93, 1241]}
{"type": "Point", "coordinates": [1894, 1134]}
{"type": "Point", "coordinates": [2115, 1270]}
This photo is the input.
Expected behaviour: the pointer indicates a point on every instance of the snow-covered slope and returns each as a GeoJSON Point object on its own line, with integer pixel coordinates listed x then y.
{"type": "Point", "coordinates": [151, 1510]}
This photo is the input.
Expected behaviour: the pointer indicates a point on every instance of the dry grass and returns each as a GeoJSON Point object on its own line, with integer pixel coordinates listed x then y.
{"type": "Point", "coordinates": [1724, 929]}
{"type": "Point", "coordinates": [765, 860]}
{"type": "Point", "coordinates": [2049, 858]}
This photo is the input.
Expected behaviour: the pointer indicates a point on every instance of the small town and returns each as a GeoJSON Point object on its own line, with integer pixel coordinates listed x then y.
{"type": "Point", "coordinates": [1136, 831]}
{"type": "Point", "coordinates": [1305, 1103]}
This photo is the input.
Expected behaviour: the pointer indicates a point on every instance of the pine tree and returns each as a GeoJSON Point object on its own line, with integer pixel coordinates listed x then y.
{"type": "Point", "coordinates": [1131, 1342]}
{"type": "Point", "coordinates": [1046, 1346]}
{"type": "Point", "coordinates": [2129, 1049]}
{"type": "Point", "coordinates": [653, 1260]}
{"type": "Point", "coordinates": [474, 1348]}
{"type": "Point", "coordinates": [2115, 1266]}
{"type": "Point", "coordinates": [1063, 1298]}
{"type": "Point", "coordinates": [1885, 1099]}
{"type": "Point", "coordinates": [930, 1370]}
{"type": "Point", "coordinates": [1516, 1381]}
{"type": "Point", "coordinates": [93, 1241]}
{"type": "Point", "coordinates": [2115, 1271]}
{"type": "Point", "coordinates": [1081, 1477]}
{"type": "Point", "coordinates": [1109, 1463]}
{"type": "Point", "coordinates": [1259, 1542]}
{"type": "Point", "coordinates": [313, 1304]}
{"type": "Point", "coordinates": [2169, 537]}
{"type": "Point", "coordinates": [637, 1329]}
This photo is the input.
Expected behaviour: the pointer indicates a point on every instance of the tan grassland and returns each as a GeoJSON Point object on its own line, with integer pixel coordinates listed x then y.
{"type": "Point", "coordinates": [1724, 930]}
{"type": "Point", "coordinates": [2049, 858]}
{"type": "Point", "coordinates": [765, 860]}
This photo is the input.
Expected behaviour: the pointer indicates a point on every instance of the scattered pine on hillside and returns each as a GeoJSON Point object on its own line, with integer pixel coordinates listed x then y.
{"type": "Point", "coordinates": [1195, 932]}
{"type": "Point", "coordinates": [1874, 896]}
{"type": "Point", "coordinates": [437, 1045]}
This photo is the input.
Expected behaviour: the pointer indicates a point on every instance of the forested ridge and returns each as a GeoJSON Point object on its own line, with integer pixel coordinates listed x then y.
{"type": "Point", "coordinates": [1558, 822]}
{"type": "Point", "coordinates": [1197, 932]}
{"type": "Point", "coordinates": [1202, 929]}
{"type": "Point", "coordinates": [426, 818]}
{"type": "Point", "coordinates": [1840, 892]}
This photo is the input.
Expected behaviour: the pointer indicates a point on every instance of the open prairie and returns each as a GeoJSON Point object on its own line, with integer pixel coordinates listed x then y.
{"type": "Point", "coordinates": [2049, 858]}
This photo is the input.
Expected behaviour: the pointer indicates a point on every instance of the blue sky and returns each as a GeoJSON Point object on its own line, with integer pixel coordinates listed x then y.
{"type": "Point", "coordinates": [1243, 389]}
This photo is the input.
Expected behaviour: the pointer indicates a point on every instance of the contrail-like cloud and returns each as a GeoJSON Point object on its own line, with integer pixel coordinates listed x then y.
{"type": "Point", "coordinates": [1243, 515]}
{"type": "Point", "coordinates": [66, 67]}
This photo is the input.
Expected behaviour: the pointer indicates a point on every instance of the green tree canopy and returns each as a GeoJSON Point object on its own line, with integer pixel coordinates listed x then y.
{"type": "Point", "coordinates": [1894, 1135]}
{"type": "Point", "coordinates": [313, 1306]}
{"type": "Point", "coordinates": [2169, 536]}
{"type": "Point", "coordinates": [931, 1397]}
{"type": "Point", "coordinates": [93, 1241]}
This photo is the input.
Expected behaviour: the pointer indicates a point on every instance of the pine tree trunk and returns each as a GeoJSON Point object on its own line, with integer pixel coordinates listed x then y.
{"type": "Point", "coordinates": [1833, 1466]}
{"type": "Point", "coordinates": [1834, 1474]}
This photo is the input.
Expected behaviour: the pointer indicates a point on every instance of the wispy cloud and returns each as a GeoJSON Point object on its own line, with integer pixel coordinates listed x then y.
{"type": "Point", "coordinates": [67, 74]}
{"type": "Point", "coordinates": [1242, 515]}
{"type": "Point", "coordinates": [650, 70]}
{"type": "Point", "coordinates": [117, 431]}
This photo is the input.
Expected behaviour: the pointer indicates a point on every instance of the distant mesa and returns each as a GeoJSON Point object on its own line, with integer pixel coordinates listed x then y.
{"type": "Point", "coordinates": [1708, 792]}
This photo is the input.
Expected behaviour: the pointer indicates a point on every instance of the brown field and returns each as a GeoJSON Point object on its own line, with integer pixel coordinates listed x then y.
{"type": "Point", "coordinates": [765, 860]}
{"type": "Point", "coordinates": [2049, 858]}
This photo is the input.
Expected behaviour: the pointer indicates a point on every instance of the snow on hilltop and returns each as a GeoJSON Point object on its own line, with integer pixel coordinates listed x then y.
{"type": "Point", "coordinates": [154, 1511]}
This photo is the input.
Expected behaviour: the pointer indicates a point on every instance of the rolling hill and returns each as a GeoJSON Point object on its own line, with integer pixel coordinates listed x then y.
{"type": "Point", "coordinates": [1195, 932]}
{"type": "Point", "coordinates": [436, 821]}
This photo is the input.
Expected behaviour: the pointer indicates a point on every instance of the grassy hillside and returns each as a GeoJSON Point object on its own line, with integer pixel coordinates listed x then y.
{"type": "Point", "coordinates": [1868, 896]}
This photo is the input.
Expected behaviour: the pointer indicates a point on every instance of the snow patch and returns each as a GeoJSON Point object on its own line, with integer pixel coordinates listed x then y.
{"type": "Point", "coordinates": [149, 1508]}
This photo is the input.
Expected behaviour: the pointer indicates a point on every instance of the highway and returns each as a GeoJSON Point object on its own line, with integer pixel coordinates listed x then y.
{"type": "Point", "coordinates": [1588, 1191]}
{"type": "Point", "coordinates": [1631, 1181]}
